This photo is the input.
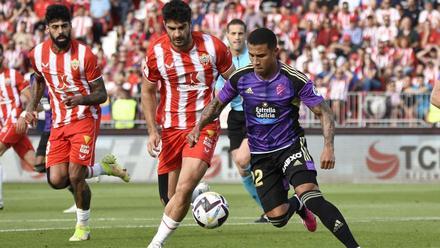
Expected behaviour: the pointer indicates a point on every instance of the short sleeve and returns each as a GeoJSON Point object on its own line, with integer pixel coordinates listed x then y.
{"type": "Point", "coordinates": [92, 69]}
{"type": "Point", "coordinates": [309, 95]}
{"type": "Point", "coordinates": [20, 81]}
{"type": "Point", "coordinates": [149, 66]}
{"type": "Point", "coordinates": [32, 61]}
{"type": "Point", "coordinates": [227, 93]}
{"type": "Point", "coordinates": [224, 56]}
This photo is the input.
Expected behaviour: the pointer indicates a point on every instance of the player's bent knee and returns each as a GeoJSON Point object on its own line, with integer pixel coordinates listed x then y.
{"type": "Point", "coordinates": [279, 221]}
{"type": "Point", "coordinates": [58, 184]}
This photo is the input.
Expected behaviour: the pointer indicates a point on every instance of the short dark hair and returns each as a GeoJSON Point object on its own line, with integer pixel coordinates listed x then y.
{"type": "Point", "coordinates": [176, 10]}
{"type": "Point", "coordinates": [57, 12]}
{"type": "Point", "coordinates": [262, 36]}
{"type": "Point", "coordinates": [236, 22]}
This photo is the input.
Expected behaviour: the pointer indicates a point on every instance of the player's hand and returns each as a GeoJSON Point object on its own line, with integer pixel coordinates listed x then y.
{"type": "Point", "coordinates": [328, 158]}
{"type": "Point", "coordinates": [73, 101]}
{"type": "Point", "coordinates": [193, 136]}
{"type": "Point", "coordinates": [154, 145]}
{"type": "Point", "coordinates": [21, 125]}
{"type": "Point", "coordinates": [30, 118]}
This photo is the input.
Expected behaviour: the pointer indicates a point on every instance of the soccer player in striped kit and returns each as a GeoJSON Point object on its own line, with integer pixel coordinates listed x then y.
{"type": "Point", "coordinates": [73, 77]}
{"type": "Point", "coordinates": [183, 65]}
{"type": "Point", "coordinates": [12, 85]}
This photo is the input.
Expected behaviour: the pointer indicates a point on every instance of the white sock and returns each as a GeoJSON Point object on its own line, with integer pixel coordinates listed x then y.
{"type": "Point", "coordinates": [82, 217]}
{"type": "Point", "coordinates": [166, 228]}
{"type": "Point", "coordinates": [1, 184]}
{"type": "Point", "coordinates": [95, 170]}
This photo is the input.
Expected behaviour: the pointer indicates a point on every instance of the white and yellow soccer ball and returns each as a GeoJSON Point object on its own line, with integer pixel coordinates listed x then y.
{"type": "Point", "coordinates": [210, 210]}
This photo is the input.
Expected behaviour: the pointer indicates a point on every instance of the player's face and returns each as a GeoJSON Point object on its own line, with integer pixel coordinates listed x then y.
{"type": "Point", "coordinates": [236, 37]}
{"type": "Point", "coordinates": [60, 33]}
{"type": "Point", "coordinates": [263, 59]}
{"type": "Point", "coordinates": [179, 33]}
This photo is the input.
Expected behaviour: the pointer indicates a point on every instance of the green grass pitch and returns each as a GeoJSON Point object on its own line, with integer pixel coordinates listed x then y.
{"type": "Point", "coordinates": [126, 215]}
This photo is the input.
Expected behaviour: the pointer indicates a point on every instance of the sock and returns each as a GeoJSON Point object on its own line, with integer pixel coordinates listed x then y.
{"type": "Point", "coordinates": [248, 184]}
{"type": "Point", "coordinates": [95, 170]}
{"type": "Point", "coordinates": [82, 217]}
{"type": "Point", "coordinates": [166, 228]}
{"type": "Point", "coordinates": [1, 185]}
{"type": "Point", "coordinates": [302, 210]}
{"type": "Point", "coordinates": [329, 216]}
{"type": "Point", "coordinates": [294, 205]}
{"type": "Point", "coordinates": [282, 220]}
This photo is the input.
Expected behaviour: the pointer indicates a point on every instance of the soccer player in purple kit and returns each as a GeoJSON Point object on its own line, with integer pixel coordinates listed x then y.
{"type": "Point", "coordinates": [272, 92]}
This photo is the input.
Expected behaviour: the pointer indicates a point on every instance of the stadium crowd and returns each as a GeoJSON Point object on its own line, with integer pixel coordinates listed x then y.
{"type": "Point", "coordinates": [386, 46]}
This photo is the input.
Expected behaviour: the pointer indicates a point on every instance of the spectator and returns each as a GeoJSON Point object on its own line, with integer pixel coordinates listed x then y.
{"type": "Point", "coordinates": [407, 31]}
{"type": "Point", "coordinates": [82, 24]}
{"type": "Point", "coordinates": [429, 14]}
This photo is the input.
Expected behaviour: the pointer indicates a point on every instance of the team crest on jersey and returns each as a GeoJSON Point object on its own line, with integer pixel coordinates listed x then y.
{"type": "Point", "coordinates": [74, 64]}
{"type": "Point", "coordinates": [204, 59]}
{"type": "Point", "coordinates": [280, 89]}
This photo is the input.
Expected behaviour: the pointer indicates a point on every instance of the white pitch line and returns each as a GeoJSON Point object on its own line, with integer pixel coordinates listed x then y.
{"type": "Point", "coordinates": [109, 227]}
{"type": "Point", "coordinates": [351, 220]}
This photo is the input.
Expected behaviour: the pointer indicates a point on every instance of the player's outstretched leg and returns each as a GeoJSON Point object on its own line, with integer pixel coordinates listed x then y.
{"type": "Point", "coordinates": [330, 216]}
{"type": "Point", "coordinates": [112, 168]}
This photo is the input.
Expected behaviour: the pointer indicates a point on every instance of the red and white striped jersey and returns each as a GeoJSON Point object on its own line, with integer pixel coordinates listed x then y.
{"type": "Point", "coordinates": [67, 74]}
{"type": "Point", "coordinates": [12, 84]}
{"type": "Point", "coordinates": [186, 79]}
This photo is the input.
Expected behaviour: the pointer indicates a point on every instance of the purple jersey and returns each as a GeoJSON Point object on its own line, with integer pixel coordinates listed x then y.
{"type": "Point", "coordinates": [271, 106]}
{"type": "Point", "coordinates": [47, 111]}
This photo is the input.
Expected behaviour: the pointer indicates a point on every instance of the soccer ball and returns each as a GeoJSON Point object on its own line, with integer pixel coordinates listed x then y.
{"type": "Point", "coordinates": [210, 210]}
{"type": "Point", "coordinates": [202, 187]}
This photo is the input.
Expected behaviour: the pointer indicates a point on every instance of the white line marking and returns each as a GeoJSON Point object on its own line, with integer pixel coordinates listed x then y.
{"type": "Point", "coordinates": [351, 220]}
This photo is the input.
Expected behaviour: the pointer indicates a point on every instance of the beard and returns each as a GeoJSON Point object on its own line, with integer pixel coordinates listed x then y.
{"type": "Point", "coordinates": [61, 44]}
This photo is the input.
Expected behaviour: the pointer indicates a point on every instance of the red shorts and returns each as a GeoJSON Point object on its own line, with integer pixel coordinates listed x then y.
{"type": "Point", "coordinates": [20, 142]}
{"type": "Point", "coordinates": [175, 147]}
{"type": "Point", "coordinates": [74, 142]}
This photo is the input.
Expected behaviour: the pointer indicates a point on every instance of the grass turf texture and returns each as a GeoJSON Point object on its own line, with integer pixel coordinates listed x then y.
{"type": "Point", "coordinates": [401, 216]}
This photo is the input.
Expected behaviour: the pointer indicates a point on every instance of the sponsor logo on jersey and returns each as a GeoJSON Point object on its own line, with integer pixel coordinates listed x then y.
{"type": "Point", "coordinates": [169, 67]}
{"type": "Point", "coordinates": [249, 91]}
{"type": "Point", "coordinates": [84, 149]}
{"type": "Point", "coordinates": [290, 159]}
{"type": "Point", "coordinates": [266, 113]}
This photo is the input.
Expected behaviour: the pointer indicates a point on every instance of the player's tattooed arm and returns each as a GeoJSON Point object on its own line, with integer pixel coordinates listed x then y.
{"type": "Point", "coordinates": [325, 114]}
{"type": "Point", "coordinates": [98, 95]}
{"type": "Point", "coordinates": [209, 114]}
